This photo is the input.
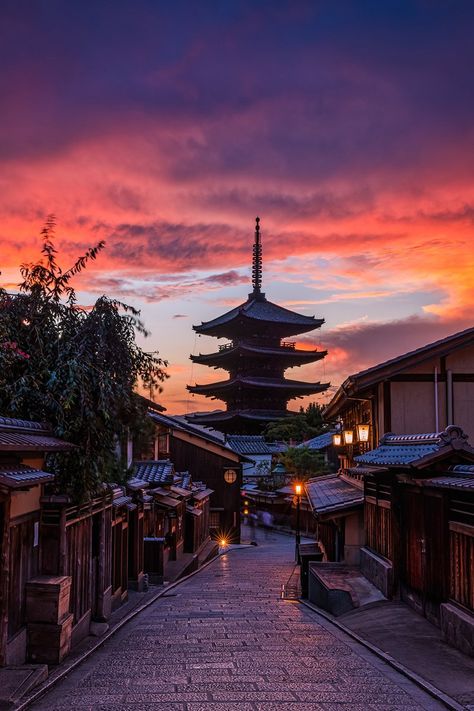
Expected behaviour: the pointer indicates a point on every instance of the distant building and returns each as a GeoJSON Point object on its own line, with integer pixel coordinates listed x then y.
{"type": "Point", "coordinates": [256, 357]}
{"type": "Point", "coordinates": [258, 452]}
{"type": "Point", "coordinates": [208, 459]}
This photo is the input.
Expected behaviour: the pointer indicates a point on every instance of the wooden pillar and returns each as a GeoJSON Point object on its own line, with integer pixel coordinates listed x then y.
{"type": "Point", "coordinates": [5, 576]}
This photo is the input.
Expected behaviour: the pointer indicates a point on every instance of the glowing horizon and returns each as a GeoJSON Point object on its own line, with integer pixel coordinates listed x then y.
{"type": "Point", "coordinates": [347, 129]}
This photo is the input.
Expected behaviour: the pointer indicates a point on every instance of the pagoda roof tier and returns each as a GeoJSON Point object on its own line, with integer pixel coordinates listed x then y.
{"type": "Point", "coordinates": [298, 387]}
{"type": "Point", "coordinates": [258, 313]}
{"type": "Point", "coordinates": [227, 419]}
{"type": "Point", "coordinates": [288, 353]}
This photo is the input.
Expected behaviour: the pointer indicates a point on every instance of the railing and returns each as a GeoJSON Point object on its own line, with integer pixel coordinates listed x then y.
{"type": "Point", "coordinates": [226, 347]}
{"type": "Point", "coordinates": [288, 344]}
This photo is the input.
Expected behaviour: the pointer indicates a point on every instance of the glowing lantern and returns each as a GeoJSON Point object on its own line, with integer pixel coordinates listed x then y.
{"type": "Point", "coordinates": [363, 433]}
{"type": "Point", "coordinates": [348, 436]}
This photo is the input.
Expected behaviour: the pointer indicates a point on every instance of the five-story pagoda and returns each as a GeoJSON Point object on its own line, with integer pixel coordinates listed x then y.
{"type": "Point", "coordinates": [256, 391]}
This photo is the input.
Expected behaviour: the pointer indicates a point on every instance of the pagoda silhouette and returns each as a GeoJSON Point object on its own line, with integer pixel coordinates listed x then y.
{"type": "Point", "coordinates": [256, 392]}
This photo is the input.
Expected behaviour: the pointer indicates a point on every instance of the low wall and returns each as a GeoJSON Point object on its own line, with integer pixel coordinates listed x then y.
{"type": "Point", "coordinates": [457, 627]}
{"type": "Point", "coordinates": [333, 600]}
{"type": "Point", "coordinates": [378, 570]}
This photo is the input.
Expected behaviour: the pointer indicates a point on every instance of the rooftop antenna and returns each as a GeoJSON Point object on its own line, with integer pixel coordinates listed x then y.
{"type": "Point", "coordinates": [257, 260]}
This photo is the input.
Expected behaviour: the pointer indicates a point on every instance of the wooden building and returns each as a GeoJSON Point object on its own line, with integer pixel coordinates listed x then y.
{"type": "Point", "coordinates": [421, 391]}
{"type": "Point", "coordinates": [256, 391]}
{"type": "Point", "coordinates": [176, 515]}
{"type": "Point", "coordinates": [23, 445]}
{"type": "Point", "coordinates": [336, 502]}
{"type": "Point", "coordinates": [207, 459]}
{"type": "Point", "coordinates": [419, 526]}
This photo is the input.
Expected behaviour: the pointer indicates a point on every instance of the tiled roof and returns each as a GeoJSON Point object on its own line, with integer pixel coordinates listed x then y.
{"type": "Point", "coordinates": [126, 501]}
{"type": "Point", "coordinates": [260, 309]}
{"type": "Point", "coordinates": [320, 442]}
{"type": "Point", "coordinates": [19, 442]}
{"type": "Point", "coordinates": [332, 493]}
{"type": "Point", "coordinates": [226, 415]}
{"type": "Point", "coordinates": [460, 476]}
{"type": "Point", "coordinates": [290, 355]}
{"type": "Point", "coordinates": [408, 450]}
{"type": "Point", "coordinates": [15, 476]}
{"type": "Point", "coordinates": [249, 444]}
{"type": "Point", "coordinates": [180, 422]}
{"type": "Point", "coordinates": [136, 484]}
{"type": "Point", "coordinates": [260, 382]}
{"type": "Point", "coordinates": [159, 471]}
{"type": "Point", "coordinates": [12, 423]}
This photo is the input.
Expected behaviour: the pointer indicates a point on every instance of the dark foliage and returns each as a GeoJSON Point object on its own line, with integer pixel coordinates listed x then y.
{"type": "Point", "coordinates": [74, 367]}
{"type": "Point", "coordinates": [303, 426]}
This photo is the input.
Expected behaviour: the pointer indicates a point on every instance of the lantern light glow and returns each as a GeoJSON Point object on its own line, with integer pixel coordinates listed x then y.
{"type": "Point", "coordinates": [363, 433]}
{"type": "Point", "coordinates": [337, 439]}
{"type": "Point", "coordinates": [348, 436]}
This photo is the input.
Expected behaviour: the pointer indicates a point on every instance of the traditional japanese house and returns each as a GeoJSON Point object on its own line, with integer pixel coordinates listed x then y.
{"type": "Point", "coordinates": [207, 458]}
{"type": "Point", "coordinates": [23, 445]}
{"type": "Point", "coordinates": [255, 357]}
{"type": "Point", "coordinates": [258, 451]}
{"type": "Point", "coordinates": [419, 526]}
{"type": "Point", "coordinates": [164, 519]}
{"type": "Point", "coordinates": [336, 502]}
{"type": "Point", "coordinates": [424, 390]}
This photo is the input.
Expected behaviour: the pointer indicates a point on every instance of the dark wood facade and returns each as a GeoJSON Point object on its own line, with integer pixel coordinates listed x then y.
{"type": "Point", "coordinates": [419, 525]}
{"type": "Point", "coordinates": [207, 459]}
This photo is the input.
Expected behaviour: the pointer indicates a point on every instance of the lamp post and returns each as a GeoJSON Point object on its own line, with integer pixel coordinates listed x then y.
{"type": "Point", "coordinates": [298, 534]}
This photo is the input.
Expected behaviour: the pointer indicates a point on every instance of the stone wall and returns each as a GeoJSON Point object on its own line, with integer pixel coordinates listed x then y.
{"type": "Point", "coordinates": [457, 627]}
{"type": "Point", "coordinates": [378, 570]}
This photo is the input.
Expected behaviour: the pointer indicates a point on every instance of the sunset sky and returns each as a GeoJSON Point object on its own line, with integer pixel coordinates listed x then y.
{"type": "Point", "coordinates": [165, 128]}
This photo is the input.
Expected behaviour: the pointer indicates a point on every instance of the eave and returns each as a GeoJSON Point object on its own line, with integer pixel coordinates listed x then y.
{"type": "Point", "coordinates": [267, 384]}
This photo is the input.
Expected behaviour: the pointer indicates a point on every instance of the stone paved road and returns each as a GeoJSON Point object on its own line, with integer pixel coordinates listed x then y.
{"type": "Point", "coordinates": [224, 640]}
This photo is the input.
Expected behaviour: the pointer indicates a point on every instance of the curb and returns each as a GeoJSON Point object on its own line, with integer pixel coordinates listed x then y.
{"type": "Point", "coordinates": [430, 689]}
{"type": "Point", "coordinates": [133, 613]}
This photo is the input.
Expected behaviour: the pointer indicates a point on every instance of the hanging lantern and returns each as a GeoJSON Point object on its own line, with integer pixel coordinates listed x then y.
{"type": "Point", "coordinates": [337, 439]}
{"type": "Point", "coordinates": [348, 436]}
{"type": "Point", "coordinates": [363, 433]}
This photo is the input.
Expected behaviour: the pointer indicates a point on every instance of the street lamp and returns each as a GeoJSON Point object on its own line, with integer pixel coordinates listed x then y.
{"type": "Point", "coordinates": [298, 489]}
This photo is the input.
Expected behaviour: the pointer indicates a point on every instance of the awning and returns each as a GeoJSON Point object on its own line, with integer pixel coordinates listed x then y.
{"type": "Point", "coordinates": [19, 476]}
{"type": "Point", "coordinates": [125, 501]}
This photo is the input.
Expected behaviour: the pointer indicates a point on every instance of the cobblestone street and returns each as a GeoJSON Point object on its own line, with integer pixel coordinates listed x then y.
{"type": "Point", "coordinates": [224, 640]}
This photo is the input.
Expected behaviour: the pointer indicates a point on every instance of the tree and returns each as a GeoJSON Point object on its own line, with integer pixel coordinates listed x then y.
{"type": "Point", "coordinates": [73, 366]}
{"type": "Point", "coordinates": [298, 428]}
{"type": "Point", "coordinates": [303, 462]}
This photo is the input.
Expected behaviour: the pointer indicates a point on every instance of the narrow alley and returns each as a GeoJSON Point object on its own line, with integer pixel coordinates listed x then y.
{"type": "Point", "coordinates": [224, 640]}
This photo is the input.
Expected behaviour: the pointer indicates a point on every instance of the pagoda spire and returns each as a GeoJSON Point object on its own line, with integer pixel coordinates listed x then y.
{"type": "Point", "coordinates": [257, 260]}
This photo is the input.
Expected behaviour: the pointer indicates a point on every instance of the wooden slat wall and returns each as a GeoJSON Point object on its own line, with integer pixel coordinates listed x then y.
{"type": "Point", "coordinates": [413, 536]}
{"type": "Point", "coordinates": [327, 536]}
{"type": "Point", "coordinates": [78, 565]}
{"type": "Point", "coordinates": [378, 529]}
{"type": "Point", "coordinates": [23, 565]}
{"type": "Point", "coordinates": [461, 548]}
{"type": "Point", "coordinates": [436, 536]}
